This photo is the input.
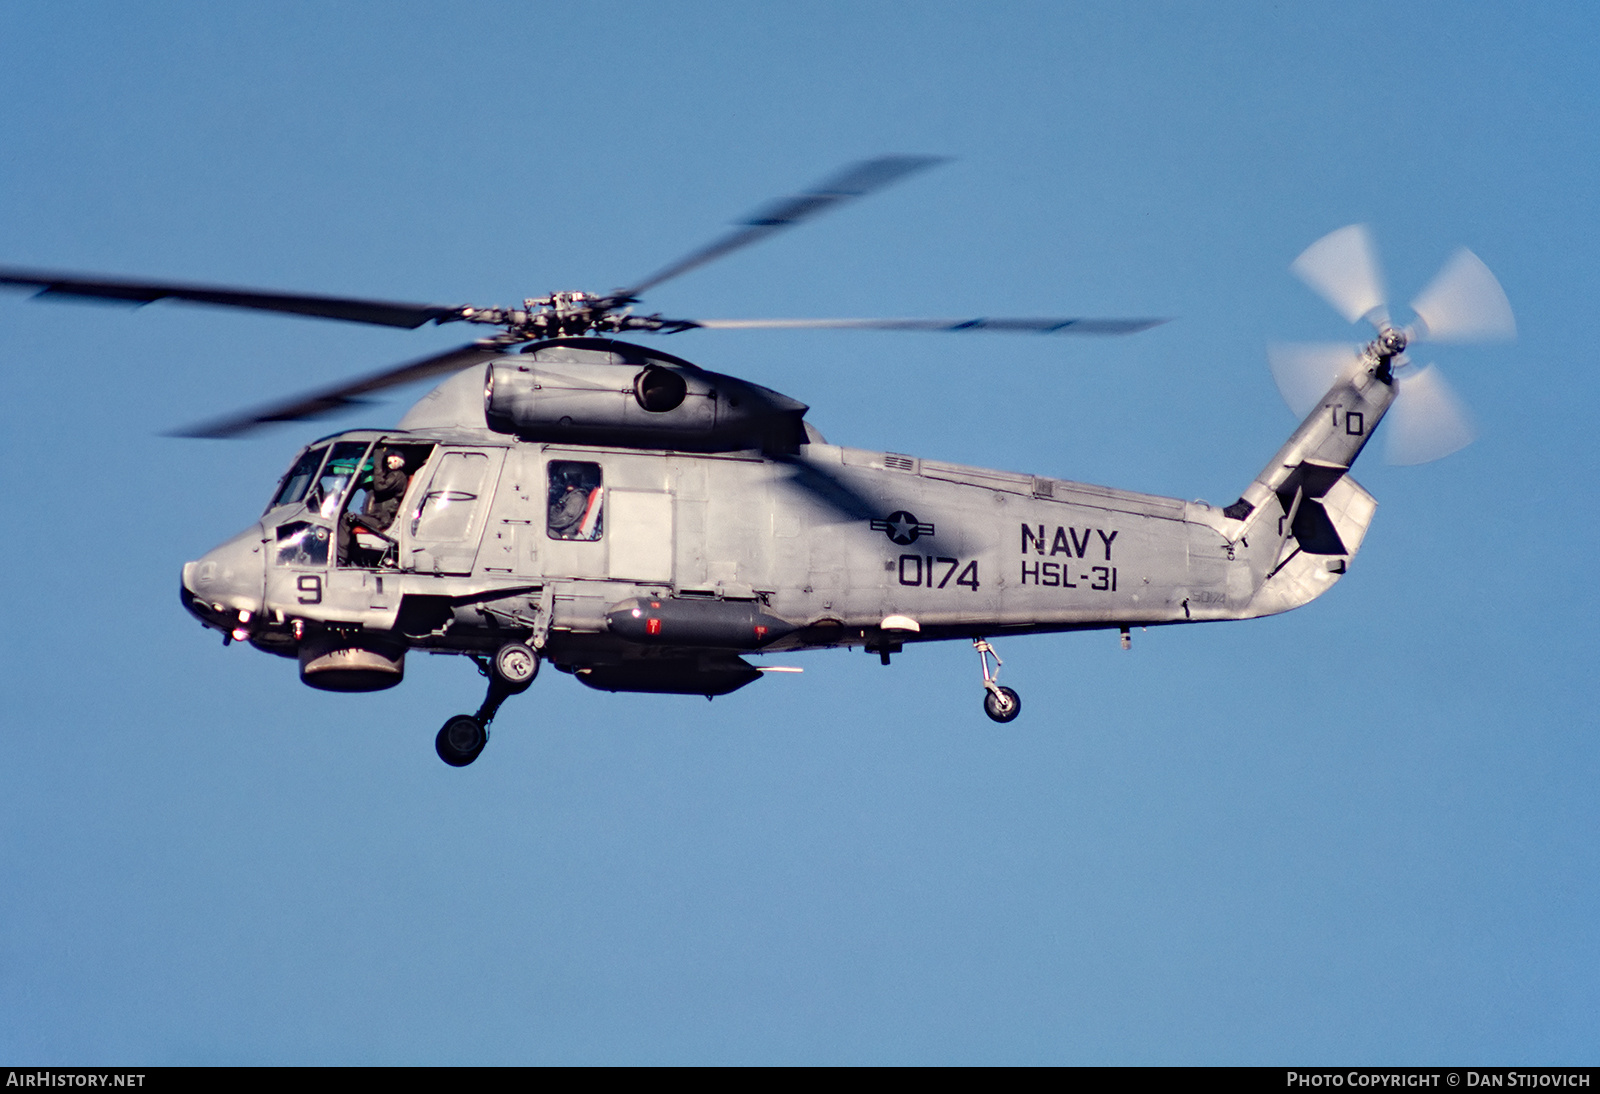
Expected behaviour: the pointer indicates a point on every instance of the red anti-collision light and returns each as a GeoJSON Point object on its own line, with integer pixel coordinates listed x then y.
{"type": "Point", "coordinates": [652, 626]}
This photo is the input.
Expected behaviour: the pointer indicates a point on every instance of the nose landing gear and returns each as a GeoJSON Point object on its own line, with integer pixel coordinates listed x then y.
{"type": "Point", "coordinates": [1001, 704]}
{"type": "Point", "coordinates": [510, 673]}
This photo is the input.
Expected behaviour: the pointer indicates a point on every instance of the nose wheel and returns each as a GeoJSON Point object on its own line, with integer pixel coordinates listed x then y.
{"type": "Point", "coordinates": [1001, 704]}
{"type": "Point", "coordinates": [510, 672]}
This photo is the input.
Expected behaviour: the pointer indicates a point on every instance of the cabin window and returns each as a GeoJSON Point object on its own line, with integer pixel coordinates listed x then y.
{"type": "Point", "coordinates": [576, 502]}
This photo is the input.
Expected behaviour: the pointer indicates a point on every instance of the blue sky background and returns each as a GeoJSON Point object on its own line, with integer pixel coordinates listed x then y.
{"type": "Point", "coordinates": [1360, 832]}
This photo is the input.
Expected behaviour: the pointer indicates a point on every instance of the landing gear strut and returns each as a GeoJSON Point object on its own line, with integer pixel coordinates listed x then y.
{"type": "Point", "coordinates": [999, 703]}
{"type": "Point", "coordinates": [464, 736]}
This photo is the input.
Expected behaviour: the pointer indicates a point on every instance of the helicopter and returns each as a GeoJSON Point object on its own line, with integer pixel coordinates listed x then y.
{"type": "Point", "coordinates": [646, 524]}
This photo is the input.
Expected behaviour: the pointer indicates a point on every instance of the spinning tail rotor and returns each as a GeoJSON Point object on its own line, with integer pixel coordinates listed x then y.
{"type": "Point", "coordinates": [1463, 303]}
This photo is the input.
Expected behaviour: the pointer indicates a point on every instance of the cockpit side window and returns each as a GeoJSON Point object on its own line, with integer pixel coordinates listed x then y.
{"type": "Point", "coordinates": [575, 507]}
{"type": "Point", "coordinates": [299, 478]}
{"type": "Point", "coordinates": [446, 508]}
{"type": "Point", "coordinates": [378, 494]}
{"type": "Point", "coordinates": [366, 527]}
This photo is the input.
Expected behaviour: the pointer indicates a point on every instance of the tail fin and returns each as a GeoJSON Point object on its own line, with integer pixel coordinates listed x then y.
{"type": "Point", "coordinates": [1303, 518]}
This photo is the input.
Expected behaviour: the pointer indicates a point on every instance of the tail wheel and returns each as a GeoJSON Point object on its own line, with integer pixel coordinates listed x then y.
{"type": "Point", "coordinates": [1002, 704]}
{"type": "Point", "coordinates": [460, 740]}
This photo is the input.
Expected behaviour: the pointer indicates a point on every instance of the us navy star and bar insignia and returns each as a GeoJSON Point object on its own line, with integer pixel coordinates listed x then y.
{"type": "Point", "coordinates": [902, 527]}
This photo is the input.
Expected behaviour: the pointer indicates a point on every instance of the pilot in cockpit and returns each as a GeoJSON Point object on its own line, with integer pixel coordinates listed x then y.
{"type": "Point", "coordinates": [386, 489]}
{"type": "Point", "coordinates": [389, 481]}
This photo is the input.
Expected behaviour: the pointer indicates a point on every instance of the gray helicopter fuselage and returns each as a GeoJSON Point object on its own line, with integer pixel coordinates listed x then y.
{"type": "Point", "coordinates": [644, 523]}
{"type": "Point", "coordinates": [655, 569]}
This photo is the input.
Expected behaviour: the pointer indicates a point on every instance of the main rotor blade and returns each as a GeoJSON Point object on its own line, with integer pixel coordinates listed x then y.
{"type": "Point", "coordinates": [331, 400]}
{"type": "Point", "coordinates": [1427, 421]}
{"type": "Point", "coordinates": [1304, 371]}
{"type": "Point", "coordinates": [1015, 326]}
{"type": "Point", "coordinates": [1464, 303]}
{"type": "Point", "coordinates": [116, 290]}
{"type": "Point", "coordinates": [1342, 268]}
{"type": "Point", "coordinates": [855, 181]}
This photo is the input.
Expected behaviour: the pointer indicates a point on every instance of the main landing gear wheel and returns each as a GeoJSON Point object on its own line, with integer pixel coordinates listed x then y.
{"type": "Point", "coordinates": [510, 672]}
{"type": "Point", "coordinates": [1002, 704]}
{"type": "Point", "coordinates": [516, 665]}
{"type": "Point", "coordinates": [461, 739]}
{"type": "Point", "coordinates": [999, 702]}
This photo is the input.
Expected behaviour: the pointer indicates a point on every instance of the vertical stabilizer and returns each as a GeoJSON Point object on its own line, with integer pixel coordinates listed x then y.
{"type": "Point", "coordinates": [1296, 527]}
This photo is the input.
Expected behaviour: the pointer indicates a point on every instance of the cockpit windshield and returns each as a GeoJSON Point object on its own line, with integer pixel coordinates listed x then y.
{"type": "Point", "coordinates": [299, 478]}
{"type": "Point", "coordinates": [342, 462]}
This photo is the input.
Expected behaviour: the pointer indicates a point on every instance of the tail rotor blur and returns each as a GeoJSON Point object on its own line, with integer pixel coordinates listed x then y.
{"type": "Point", "coordinates": [1428, 421]}
{"type": "Point", "coordinates": [1342, 268]}
{"type": "Point", "coordinates": [1305, 370]}
{"type": "Point", "coordinates": [1463, 303]}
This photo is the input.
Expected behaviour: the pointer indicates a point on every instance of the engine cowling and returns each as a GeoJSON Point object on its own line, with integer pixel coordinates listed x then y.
{"type": "Point", "coordinates": [589, 391]}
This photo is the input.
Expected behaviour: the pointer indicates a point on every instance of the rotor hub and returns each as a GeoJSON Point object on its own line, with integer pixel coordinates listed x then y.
{"type": "Point", "coordinates": [568, 315]}
{"type": "Point", "coordinates": [1391, 342]}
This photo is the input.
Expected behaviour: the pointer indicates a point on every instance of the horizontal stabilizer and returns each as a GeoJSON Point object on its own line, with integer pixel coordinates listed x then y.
{"type": "Point", "coordinates": [1306, 568]}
